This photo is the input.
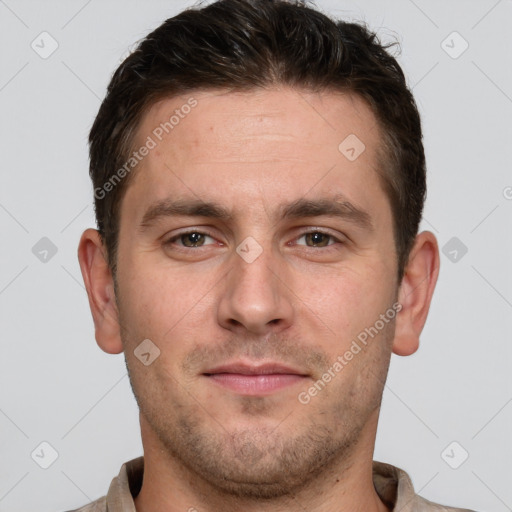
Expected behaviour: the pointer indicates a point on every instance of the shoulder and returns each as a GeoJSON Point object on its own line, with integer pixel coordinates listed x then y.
{"type": "Point", "coordinates": [423, 505]}
{"type": "Point", "coordinates": [395, 489]}
{"type": "Point", "coordinates": [99, 505]}
{"type": "Point", "coordinates": [122, 489]}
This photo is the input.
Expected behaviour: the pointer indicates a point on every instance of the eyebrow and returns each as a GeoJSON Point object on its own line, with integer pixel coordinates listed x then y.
{"type": "Point", "coordinates": [301, 208]}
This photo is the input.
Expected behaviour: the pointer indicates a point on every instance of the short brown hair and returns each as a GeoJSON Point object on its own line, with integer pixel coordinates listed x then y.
{"type": "Point", "coordinates": [241, 45]}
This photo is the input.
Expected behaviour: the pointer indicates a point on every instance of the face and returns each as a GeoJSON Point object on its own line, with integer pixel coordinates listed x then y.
{"type": "Point", "coordinates": [254, 253]}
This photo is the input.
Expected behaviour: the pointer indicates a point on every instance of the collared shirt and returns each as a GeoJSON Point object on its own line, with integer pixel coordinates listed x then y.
{"type": "Point", "coordinates": [392, 484]}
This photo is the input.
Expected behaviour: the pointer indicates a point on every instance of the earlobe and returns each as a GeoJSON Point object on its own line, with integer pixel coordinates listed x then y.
{"type": "Point", "coordinates": [100, 291]}
{"type": "Point", "coordinates": [416, 292]}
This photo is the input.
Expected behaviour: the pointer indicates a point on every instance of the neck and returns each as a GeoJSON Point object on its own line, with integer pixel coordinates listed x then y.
{"type": "Point", "coordinates": [347, 484]}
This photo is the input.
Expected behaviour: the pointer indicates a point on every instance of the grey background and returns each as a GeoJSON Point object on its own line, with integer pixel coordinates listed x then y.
{"type": "Point", "coordinates": [57, 386]}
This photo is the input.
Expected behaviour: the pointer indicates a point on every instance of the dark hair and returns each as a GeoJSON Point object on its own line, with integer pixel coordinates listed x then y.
{"type": "Point", "coordinates": [241, 45]}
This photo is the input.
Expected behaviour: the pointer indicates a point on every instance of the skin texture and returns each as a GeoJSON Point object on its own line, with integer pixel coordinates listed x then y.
{"type": "Point", "coordinates": [301, 302]}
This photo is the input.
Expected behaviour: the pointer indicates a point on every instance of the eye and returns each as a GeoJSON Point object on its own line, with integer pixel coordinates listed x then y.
{"type": "Point", "coordinates": [318, 239]}
{"type": "Point", "coordinates": [196, 239]}
{"type": "Point", "coordinates": [190, 239]}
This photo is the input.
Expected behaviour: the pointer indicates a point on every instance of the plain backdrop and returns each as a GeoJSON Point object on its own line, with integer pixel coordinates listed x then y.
{"type": "Point", "coordinates": [449, 401]}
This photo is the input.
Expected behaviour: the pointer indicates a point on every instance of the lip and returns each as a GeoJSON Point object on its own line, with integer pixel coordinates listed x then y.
{"type": "Point", "coordinates": [255, 369]}
{"type": "Point", "coordinates": [255, 379]}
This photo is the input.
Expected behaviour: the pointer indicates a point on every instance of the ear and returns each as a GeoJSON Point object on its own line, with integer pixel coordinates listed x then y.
{"type": "Point", "coordinates": [415, 293]}
{"type": "Point", "coordinates": [100, 290]}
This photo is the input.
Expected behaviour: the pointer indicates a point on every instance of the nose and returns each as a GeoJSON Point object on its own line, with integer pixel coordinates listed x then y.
{"type": "Point", "coordinates": [256, 296]}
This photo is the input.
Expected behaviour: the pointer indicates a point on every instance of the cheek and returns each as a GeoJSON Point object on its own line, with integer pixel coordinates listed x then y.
{"type": "Point", "coordinates": [352, 301]}
{"type": "Point", "coordinates": [151, 291]}
{"type": "Point", "coordinates": [168, 307]}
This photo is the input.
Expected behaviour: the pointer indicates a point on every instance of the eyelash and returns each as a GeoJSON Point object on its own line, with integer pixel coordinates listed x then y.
{"type": "Point", "coordinates": [170, 241]}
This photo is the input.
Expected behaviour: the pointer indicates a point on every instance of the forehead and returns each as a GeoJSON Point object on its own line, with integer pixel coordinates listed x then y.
{"type": "Point", "coordinates": [285, 114]}
{"type": "Point", "coordinates": [236, 147]}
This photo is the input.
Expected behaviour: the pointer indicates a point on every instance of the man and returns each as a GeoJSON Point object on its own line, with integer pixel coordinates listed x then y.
{"type": "Point", "coordinates": [259, 180]}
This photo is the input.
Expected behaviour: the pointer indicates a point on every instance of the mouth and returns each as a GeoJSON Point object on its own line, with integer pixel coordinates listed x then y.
{"type": "Point", "coordinates": [253, 379]}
